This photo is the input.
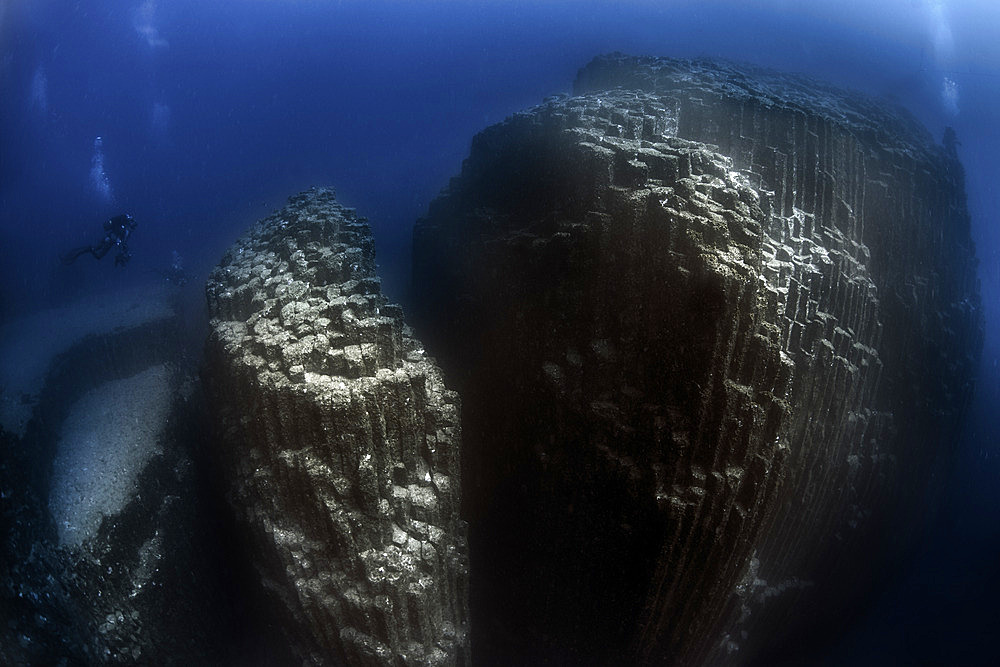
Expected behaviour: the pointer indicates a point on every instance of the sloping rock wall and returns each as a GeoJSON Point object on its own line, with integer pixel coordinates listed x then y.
{"type": "Point", "coordinates": [714, 329]}
{"type": "Point", "coordinates": [35, 349]}
{"type": "Point", "coordinates": [341, 443]}
{"type": "Point", "coordinates": [102, 559]}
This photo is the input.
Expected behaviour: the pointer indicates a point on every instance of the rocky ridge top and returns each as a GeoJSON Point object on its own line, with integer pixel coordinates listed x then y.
{"type": "Point", "coordinates": [300, 293]}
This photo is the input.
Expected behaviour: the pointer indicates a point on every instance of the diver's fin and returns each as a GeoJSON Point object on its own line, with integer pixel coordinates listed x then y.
{"type": "Point", "coordinates": [70, 257]}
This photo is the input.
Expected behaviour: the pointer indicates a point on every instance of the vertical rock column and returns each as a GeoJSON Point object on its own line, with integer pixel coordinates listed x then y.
{"type": "Point", "coordinates": [715, 329]}
{"type": "Point", "coordinates": [598, 298]}
{"type": "Point", "coordinates": [870, 274]}
{"type": "Point", "coordinates": [341, 443]}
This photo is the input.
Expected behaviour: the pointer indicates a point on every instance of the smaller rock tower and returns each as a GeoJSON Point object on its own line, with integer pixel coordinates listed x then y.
{"type": "Point", "coordinates": [341, 443]}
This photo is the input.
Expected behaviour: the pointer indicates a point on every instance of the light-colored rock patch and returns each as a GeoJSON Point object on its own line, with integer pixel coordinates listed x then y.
{"type": "Point", "coordinates": [108, 438]}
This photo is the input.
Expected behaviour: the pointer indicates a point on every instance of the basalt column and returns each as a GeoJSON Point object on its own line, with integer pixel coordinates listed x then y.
{"type": "Point", "coordinates": [714, 330]}
{"type": "Point", "coordinates": [341, 443]}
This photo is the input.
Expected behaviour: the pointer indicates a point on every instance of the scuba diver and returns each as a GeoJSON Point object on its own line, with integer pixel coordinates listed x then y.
{"type": "Point", "coordinates": [116, 233]}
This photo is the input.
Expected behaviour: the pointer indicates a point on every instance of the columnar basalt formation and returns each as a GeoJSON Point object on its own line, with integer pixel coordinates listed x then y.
{"type": "Point", "coordinates": [341, 441]}
{"type": "Point", "coordinates": [714, 329]}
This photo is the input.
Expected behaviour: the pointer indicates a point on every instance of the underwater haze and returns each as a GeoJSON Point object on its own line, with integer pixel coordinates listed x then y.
{"type": "Point", "coordinates": [199, 118]}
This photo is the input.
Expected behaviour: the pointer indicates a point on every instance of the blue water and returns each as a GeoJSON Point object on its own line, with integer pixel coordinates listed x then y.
{"type": "Point", "coordinates": [200, 117]}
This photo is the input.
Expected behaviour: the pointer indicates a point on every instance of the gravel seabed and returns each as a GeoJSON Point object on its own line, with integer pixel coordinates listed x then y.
{"type": "Point", "coordinates": [107, 439]}
{"type": "Point", "coordinates": [29, 344]}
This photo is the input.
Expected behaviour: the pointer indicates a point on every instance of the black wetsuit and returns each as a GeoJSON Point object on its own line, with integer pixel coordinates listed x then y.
{"type": "Point", "coordinates": [116, 233]}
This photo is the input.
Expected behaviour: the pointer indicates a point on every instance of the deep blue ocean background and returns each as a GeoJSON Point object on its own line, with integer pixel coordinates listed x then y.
{"type": "Point", "coordinates": [211, 113]}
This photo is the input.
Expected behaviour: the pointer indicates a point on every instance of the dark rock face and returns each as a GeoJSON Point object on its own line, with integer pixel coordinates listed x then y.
{"type": "Point", "coordinates": [341, 443]}
{"type": "Point", "coordinates": [714, 330]}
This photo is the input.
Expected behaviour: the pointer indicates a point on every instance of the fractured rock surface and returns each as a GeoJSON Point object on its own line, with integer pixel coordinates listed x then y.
{"type": "Point", "coordinates": [97, 508]}
{"type": "Point", "coordinates": [714, 329]}
{"type": "Point", "coordinates": [108, 439]}
{"type": "Point", "coordinates": [341, 443]}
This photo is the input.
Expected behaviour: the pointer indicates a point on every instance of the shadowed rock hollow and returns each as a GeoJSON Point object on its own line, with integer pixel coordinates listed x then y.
{"type": "Point", "coordinates": [714, 329]}
{"type": "Point", "coordinates": [341, 444]}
